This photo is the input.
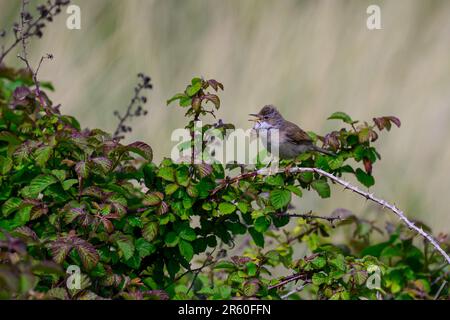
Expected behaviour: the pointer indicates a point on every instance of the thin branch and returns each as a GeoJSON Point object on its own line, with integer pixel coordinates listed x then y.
{"type": "Point", "coordinates": [138, 98]}
{"type": "Point", "coordinates": [440, 290]}
{"type": "Point", "coordinates": [308, 216]}
{"type": "Point", "coordinates": [24, 55]}
{"type": "Point", "coordinates": [286, 280]}
{"type": "Point", "coordinates": [369, 196]}
{"type": "Point", "coordinates": [33, 28]}
{"type": "Point", "coordinates": [295, 290]}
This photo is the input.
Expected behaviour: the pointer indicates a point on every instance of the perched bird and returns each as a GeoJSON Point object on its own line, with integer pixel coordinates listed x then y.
{"type": "Point", "coordinates": [292, 140]}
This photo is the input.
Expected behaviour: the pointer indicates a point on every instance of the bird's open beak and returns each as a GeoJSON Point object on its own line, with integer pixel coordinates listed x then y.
{"type": "Point", "coordinates": [257, 116]}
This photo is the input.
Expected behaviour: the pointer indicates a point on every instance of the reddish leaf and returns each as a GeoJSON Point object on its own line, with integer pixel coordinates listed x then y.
{"type": "Point", "coordinates": [367, 165]}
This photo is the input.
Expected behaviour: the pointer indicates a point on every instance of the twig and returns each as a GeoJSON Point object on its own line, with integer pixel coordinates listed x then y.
{"type": "Point", "coordinates": [298, 276]}
{"type": "Point", "coordinates": [137, 98]}
{"type": "Point", "coordinates": [346, 185]}
{"type": "Point", "coordinates": [33, 28]}
{"type": "Point", "coordinates": [308, 216]}
{"type": "Point", "coordinates": [24, 56]}
{"type": "Point", "coordinates": [295, 290]}
{"type": "Point", "coordinates": [440, 290]}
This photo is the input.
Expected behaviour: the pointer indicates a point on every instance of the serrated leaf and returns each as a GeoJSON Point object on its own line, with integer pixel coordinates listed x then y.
{"type": "Point", "coordinates": [251, 287]}
{"type": "Point", "coordinates": [60, 249]}
{"type": "Point", "coordinates": [319, 278]}
{"type": "Point", "coordinates": [142, 149]}
{"type": "Point", "coordinates": [42, 155]}
{"type": "Point", "coordinates": [366, 179]}
{"type": "Point", "coordinates": [257, 237]}
{"type": "Point", "coordinates": [11, 205]}
{"type": "Point", "coordinates": [280, 198]}
{"type": "Point", "coordinates": [150, 231]}
{"type": "Point", "coordinates": [188, 234]}
{"type": "Point", "coordinates": [40, 183]}
{"type": "Point", "coordinates": [226, 208]}
{"type": "Point", "coordinates": [171, 188]}
{"type": "Point", "coordinates": [126, 245]}
{"type": "Point", "coordinates": [186, 249]}
{"type": "Point", "coordinates": [82, 169]}
{"type": "Point", "coordinates": [103, 163]}
{"type": "Point", "coordinates": [144, 248]}
{"type": "Point", "coordinates": [153, 199]}
{"type": "Point", "coordinates": [167, 173]}
{"type": "Point", "coordinates": [87, 252]}
{"type": "Point", "coordinates": [322, 187]}
{"type": "Point", "coordinates": [6, 165]}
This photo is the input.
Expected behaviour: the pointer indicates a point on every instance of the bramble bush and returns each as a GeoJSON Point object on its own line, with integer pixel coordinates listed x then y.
{"type": "Point", "coordinates": [141, 230]}
{"type": "Point", "coordinates": [73, 196]}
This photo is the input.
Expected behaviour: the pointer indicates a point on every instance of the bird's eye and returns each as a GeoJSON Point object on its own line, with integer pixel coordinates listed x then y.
{"type": "Point", "coordinates": [266, 117]}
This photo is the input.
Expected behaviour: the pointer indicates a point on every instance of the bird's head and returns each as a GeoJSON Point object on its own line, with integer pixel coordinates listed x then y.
{"type": "Point", "coordinates": [267, 118]}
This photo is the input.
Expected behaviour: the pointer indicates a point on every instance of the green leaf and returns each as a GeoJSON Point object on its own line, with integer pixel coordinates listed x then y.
{"type": "Point", "coordinates": [261, 224]}
{"type": "Point", "coordinates": [182, 176]}
{"type": "Point", "coordinates": [171, 239]}
{"type": "Point", "coordinates": [10, 138]}
{"type": "Point", "coordinates": [251, 287]}
{"type": "Point", "coordinates": [280, 198]}
{"type": "Point", "coordinates": [178, 96]}
{"type": "Point", "coordinates": [294, 189]}
{"type": "Point", "coordinates": [150, 231]}
{"type": "Point", "coordinates": [5, 165]}
{"type": "Point", "coordinates": [191, 90]}
{"type": "Point", "coordinates": [142, 149]}
{"type": "Point", "coordinates": [319, 278]}
{"type": "Point", "coordinates": [243, 207]}
{"type": "Point", "coordinates": [11, 205]}
{"type": "Point", "coordinates": [126, 245]}
{"type": "Point", "coordinates": [366, 179]}
{"type": "Point", "coordinates": [40, 183]}
{"type": "Point", "coordinates": [227, 265]}
{"type": "Point", "coordinates": [153, 199]}
{"type": "Point", "coordinates": [257, 237]}
{"type": "Point", "coordinates": [275, 180]}
{"type": "Point", "coordinates": [341, 116]}
{"type": "Point", "coordinates": [171, 188]}
{"type": "Point", "coordinates": [251, 269]}
{"type": "Point", "coordinates": [144, 248]}
{"type": "Point", "coordinates": [226, 208]}
{"type": "Point", "coordinates": [167, 173]}
{"type": "Point", "coordinates": [69, 183]}
{"type": "Point", "coordinates": [186, 250]}
{"type": "Point", "coordinates": [322, 187]}
{"type": "Point", "coordinates": [319, 262]}
{"type": "Point", "coordinates": [188, 234]}
{"type": "Point", "coordinates": [42, 155]}
{"type": "Point", "coordinates": [185, 101]}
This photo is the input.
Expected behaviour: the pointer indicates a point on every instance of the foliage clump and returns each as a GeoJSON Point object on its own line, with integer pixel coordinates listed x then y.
{"type": "Point", "coordinates": [74, 196]}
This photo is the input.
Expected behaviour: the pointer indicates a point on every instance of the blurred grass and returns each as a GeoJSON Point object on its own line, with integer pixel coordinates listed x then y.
{"type": "Point", "coordinates": [310, 58]}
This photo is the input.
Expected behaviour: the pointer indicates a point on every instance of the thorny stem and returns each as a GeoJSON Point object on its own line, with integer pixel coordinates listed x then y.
{"type": "Point", "coordinates": [369, 196]}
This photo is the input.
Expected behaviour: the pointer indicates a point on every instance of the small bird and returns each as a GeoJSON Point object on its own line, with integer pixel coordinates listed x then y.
{"type": "Point", "coordinates": [292, 140]}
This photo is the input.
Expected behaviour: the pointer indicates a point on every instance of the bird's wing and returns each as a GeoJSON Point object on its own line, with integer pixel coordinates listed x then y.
{"type": "Point", "coordinates": [296, 135]}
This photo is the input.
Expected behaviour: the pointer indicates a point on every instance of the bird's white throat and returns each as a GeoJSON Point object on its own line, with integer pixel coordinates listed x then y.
{"type": "Point", "coordinates": [262, 125]}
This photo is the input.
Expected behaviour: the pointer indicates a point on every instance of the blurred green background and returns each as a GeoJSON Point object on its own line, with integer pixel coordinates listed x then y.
{"type": "Point", "coordinates": [309, 58]}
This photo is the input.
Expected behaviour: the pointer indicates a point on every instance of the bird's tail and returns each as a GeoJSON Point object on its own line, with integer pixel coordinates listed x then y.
{"type": "Point", "coordinates": [327, 152]}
